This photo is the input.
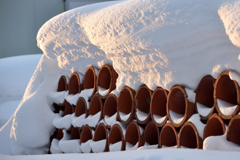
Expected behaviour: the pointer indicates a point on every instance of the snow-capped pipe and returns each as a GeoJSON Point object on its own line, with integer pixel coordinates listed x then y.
{"type": "Point", "coordinates": [106, 79]}
{"type": "Point", "coordinates": [226, 90]}
{"type": "Point", "coordinates": [126, 106]}
{"type": "Point", "coordinates": [189, 137]}
{"type": "Point", "coordinates": [75, 85]}
{"type": "Point", "coordinates": [204, 97]}
{"type": "Point", "coordinates": [86, 134]}
{"type": "Point", "coordinates": [116, 135]}
{"type": "Point", "coordinates": [158, 106]}
{"type": "Point", "coordinates": [110, 108]}
{"type": "Point", "coordinates": [81, 107]}
{"type": "Point", "coordinates": [101, 133]}
{"type": "Point", "coordinates": [179, 108]}
{"type": "Point", "coordinates": [151, 134]}
{"type": "Point", "coordinates": [90, 79]}
{"type": "Point", "coordinates": [214, 127]}
{"type": "Point", "coordinates": [233, 131]}
{"type": "Point", "coordinates": [63, 83]}
{"type": "Point", "coordinates": [133, 135]}
{"type": "Point", "coordinates": [142, 104]}
{"type": "Point", "coordinates": [75, 133]}
{"type": "Point", "coordinates": [168, 136]}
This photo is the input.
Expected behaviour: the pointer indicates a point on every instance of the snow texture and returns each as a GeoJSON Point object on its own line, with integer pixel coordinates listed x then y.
{"type": "Point", "coordinates": [98, 146]}
{"type": "Point", "coordinates": [141, 115]}
{"type": "Point", "coordinates": [225, 107]}
{"type": "Point", "coordinates": [159, 119]}
{"type": "Point", "coordinates": [110, 120]}
{"type": "Point", "coordinates": [115, 146]}
{"type": "Point", "coordinates": [203, 110]}
{"type": "Point", "coordinates": [196, 120]}
{"type": "Point", "coordinates": [176, 117]}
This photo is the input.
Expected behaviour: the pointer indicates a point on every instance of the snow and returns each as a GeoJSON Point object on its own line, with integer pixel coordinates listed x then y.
{"type": "Point", "coordinates": [98, 146]}
{"type": "Point", "coordinates": [196, 120]}
{"type": "Point", "coordinates": [176, 117]}
{"type": "Point", "coordinates": [234, 76]}
{"type": "Point", "coordinates": [191, 95]}
{"type": "Point", "coordinates": [152, 42]}
{"type": "Point", "coordinates": [78, 121]}
{"type": "Point", "coordinates": [110, 120]}
{"type": "Point", "coordinates": [124, 116]}
{"type": "Point", "coordinates": [92, 120]}
{"type": "Point", "coordinates": [148, 147]}
{"type": "Point", "coordinates": [115, 146]}
{"type": "Point", "coordinates": [225, 107]}
{"type": "Point", "coordinates": [102, 91]}
{"type": "Point", "coordinates": [58, 97]}
{"type": "Point", "coordinates": [63, 122]}
{"type": "Point", "coordinates": [129, 146]}
{"type": "Point", "coordinates": [203, 110]}
{"type": "Point", "coordinates": [85, 146]}
{"type": "Point", "coordinates": [141, 115]}
{"type": "Point", "coordinates": [159, 119]}
{"type": "Point", "coordinates": [54, 148]}
{"type": "Point", "coordinates": [72, 98]}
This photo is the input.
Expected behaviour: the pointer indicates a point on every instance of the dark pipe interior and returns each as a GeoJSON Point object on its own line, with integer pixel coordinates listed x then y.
{"type": "Point", "coordinates": [234, 132]}
{"type": "Point", "coordinates": [95, 105]}
{"type": "Point", "coordinates": [62, 84]}
{"type": "Point", "coordinates": [89, 78]}
{"type": "Point", "coordinates": [80, 107]}
{"type": "Point", "coordinates": [168, 137]}
{"type": "Point", "coordinates": [110, 106]}
{"type": "Point", "coordinates": [143, 99]}
{"type": "Point", "coordinates": [100, 133]}
{"type": "Point", "coordinates": [177, 101]}
{"type": "Point", "coordinates": [151, 134]}
{"type": "Point", "coordinates": [188, 137]}
{"type": "Point", "coordinates": [104, 78]}
{"type": "Point", "coordinates": [159, 101]}
{"type": "Point", "coordinates": [125, 101]}
{"type": "Point", "coordinates": [226, 90]}
{"type": "Point", "coordinates": [74, 84]}
{"type": "Point", "coordinates": [115, 135]}
{"type": "Point", "coordinates": [204, 93]}
{"type": "Point", "coordinates": [75, 133]}
{"type": "Point", "coordinates": [132, 135]}
{"type": "Point", "coordinates": [86, 134]}
{"type": "Point", "coordinates": [68, 109]}
{"type": "Point", "coordinates": [59, 135]}
{"type": "Point", "coordinates": [213, 128]}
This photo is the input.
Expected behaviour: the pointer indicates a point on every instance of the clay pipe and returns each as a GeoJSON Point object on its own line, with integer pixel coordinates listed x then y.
{"type": "Point", "coordinates": [101, 133]}
{"type": "Point", "coordinates": [75, 85]}
{"type": "Point", "coordinates": [189, 137]}
{"type": "Point", "coordinates": [158, 106]}
{"type": "Point", "coordinates": [110, 109]}
{"type": "Point", "coordinates": [75, 133]}
{"type": "Point", "coordinates": [86, 135]}
{"type": "Point", "coordinates": [226, 90]}
{"type": "Point", "coordinates": [151, 134]}
{"type": "Point", "coordinates": [126, 106]}
{"type": "Point", "coordinates": [106, 79]}
{"type": "Point", "coordinates": [233, 131]}
{"type": "Point", "coordinates": [179, 108]}
{"type": "Point", "coordinates": [215, 126]}
{"type": "Point", "coordinates": [142, 104]}
{"type": "Point", "coordinates": [116, 135]}
{"type": "Point", "coordinates": [63, 83]}
{"type": "Point", "coordinates": [204, 97]}
{"type": "Point", "coordinates": [90, 79]}
{"type": "Point", "coordinates": [168, 136]}
{"type": "Point", "coordinates": [81, 107]}
{"type": "Point", "coordinates": [134, 135]}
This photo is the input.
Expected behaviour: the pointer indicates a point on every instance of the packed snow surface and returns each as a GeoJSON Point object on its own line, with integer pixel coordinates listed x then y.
{"type": "Point", "coordinates": [203, 110]}
{"type": "Point", "coordinates": [98, 146]}
{"type": "Point", "coordinates": [115, 146]}
{"type": "Point", "coordinates": [141, 115]}
{"type": "Point", "coordinates": [152, 42]}
{"type": "Point", "coordinates": [159, 119]}
{"type": "Point", "coordinates": [176, 117]}
{"type": "Point", "coordinates": [109, 120]}
{"type": "Point", "coordinates": [124, 116]}
{"type": "Point", "coordinates": [225, 107]}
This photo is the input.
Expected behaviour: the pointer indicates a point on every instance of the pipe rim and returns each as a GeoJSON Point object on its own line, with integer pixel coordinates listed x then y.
{"type": "Point", "coordinates": [114, 127]}
{"type": "Point", "coordinates": [90, 70]}
{"type": "Point", "coordinates": [167, 125]}
{"type": "Point", "coordinates": [96, 135]}
{"type": "Point", "coordinates": [96, 97]}
{"type": "Point", "coordinates": [78, 90]}
{"type": "Point", "coordinates": [230, 131]}
{"type": "Point", "coordinates": [151, 125]}
{"type": "Point", "coordinates": [81, 101]}
{"type": "Point", "coordinates": [106, 106]}
{"type": "Point", "coordinates": [88, 129]}
{"type": "Point", "coordinates": [63, 81]}
{"type": "Point", "coordinates": [136, 126]}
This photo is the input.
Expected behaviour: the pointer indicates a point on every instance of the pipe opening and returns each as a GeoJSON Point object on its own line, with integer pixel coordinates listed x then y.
{"type": "Point", "coordinates": [89, 78]}
{"type": "Point", "coordinates": [158, 106]}
{"type": "Point", "coordinates": [110, 106]}
{"type": "Point", "coordinates": [100, 133]}
{"type": "Point", "coordinates": [104, 78]}
{"type": "Point", "coordinates": [68, 109]}
{"type": "Point", "coordinates": [59, 135]}
{"type": "Point", "coordinates": [74, 84]}
{"type": "Point", "coordinates": [86, 134]}
{"type": "Point", "coordinates": [132, 135]}
{"type": "Point", "coordinates": [151, 134]}
{"type": "Point", "coordinates": [75, 133]}
{"type": "Point", "coordinates": [115, 135]}
{"type": "Point", "coordinates": [81, 107]}
{"type": "Point", "coordinates": [188, 137]}
{"type": "Point", "coordinates": [214, 127]}
{"type": "Point", "coordinates": [95, 105]}
{"type": "Point", "coordinates": [234, 130]}
{"type": "Point", "coordinates": [62, 84]}
{"type": "Point", "coordinates": [168, 136]}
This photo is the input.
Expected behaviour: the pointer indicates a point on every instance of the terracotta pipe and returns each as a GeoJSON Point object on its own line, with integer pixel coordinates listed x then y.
{"type": "Point", "coordinates": [204, 97]}
{"type": "Point", "coordinates": [115, 136]}
{"type": "Point", "coordinates": [106, 79]}
{"type": "Point", "coordinates": [189, 137]}
{"type": "Point", "coordinates": [168, 136]}
{"type": "Point", "coordinates": [233, 131]}
{"type": "Point", "coordinates": [63, 83]}
{"type": "Point", "coordinates": [90, 79]}
{"type": "Point", "coordinates": [68, 110]}
{"type": "Point", "coordinates": [226, 90]}
{"type": "Point", "coordinates": [151, 134]}
{"type": "Point", "coordinates": [133, 135]}
{"type": "Point", "coordinates": [75, 85]}
{"type": "Point", "coordinates": [179, 108]}
{"type": "Point", "coordinates": [142, 104]}
{"type": "Point", "coordinates": [75, 133]}
{"type": "Point", "coordinates": [101, 133]}
{"type": "Point", "coordinates": [214, 127]}
{"type": "Point", "coordinates": [59, 134]}
{"type": "Point", "coordinates": [110, 109]}
{"type": "Point", "coordinates": [158, 106]}
{"type": "Point", "coordinates": [126, 106]}
{"type": "Point", "coordinates": [81, 107]}
{"type": "Point", "coordinates": [86, 135]}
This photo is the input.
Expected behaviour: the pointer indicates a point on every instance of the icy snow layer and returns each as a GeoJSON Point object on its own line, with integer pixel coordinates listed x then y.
{"type": "Point", "coordinates": [156, 42]}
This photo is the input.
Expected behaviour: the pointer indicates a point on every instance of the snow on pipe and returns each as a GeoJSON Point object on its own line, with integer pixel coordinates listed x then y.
{"type": "Point", "coordinates": [204, 97]}
{"type": "Point", "coordinates": [110, 110]}
{"type": "Point", "coordinates": [151, 135]}
{"type": "Point", "coordinates": [81, 107]}
{"type": "Point", "coordinates": [75, 133]}
{"type": "Point", "coordinates": [90, 79]}
{"type": "Point", "coordinates": [168, 136]}
{"type": "Point", "coordinates": [86, 138]}
{"type": "Point", "coordinates": [214, 127]}
{"type": "Point", "coordinates": [179, 108]}
{"type": "Point", "coordinates": [226, 95]}
{"type": "Point", "coordinates": [116, 141]}
{"type": "Point", "coordinates": [133, 136]}
{"type": "Point", "coordinates": [126, 106]}
{"type": "Point", "coordinates": [158, 106]}
{"type": "Point", "coordinates": [189, 137]}
{"type": "Point", "coordinates": [75, 85]}
{"type": "Point", "coordinates": [233, 131]}
{"type": "Point", "coordinates": [142, 104]}
{"type": "Point", "coordinates": [106, 80]}
{"type": "Point", "coordinates": [100, 139]}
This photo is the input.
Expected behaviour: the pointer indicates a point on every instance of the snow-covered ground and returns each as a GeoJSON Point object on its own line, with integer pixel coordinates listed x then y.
{"type": "Point", "coordinates": [152, 42]}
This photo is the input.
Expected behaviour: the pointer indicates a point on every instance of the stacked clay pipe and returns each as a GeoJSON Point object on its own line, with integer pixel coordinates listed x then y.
{"type": "Point", "coordinates": [92, 119]}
